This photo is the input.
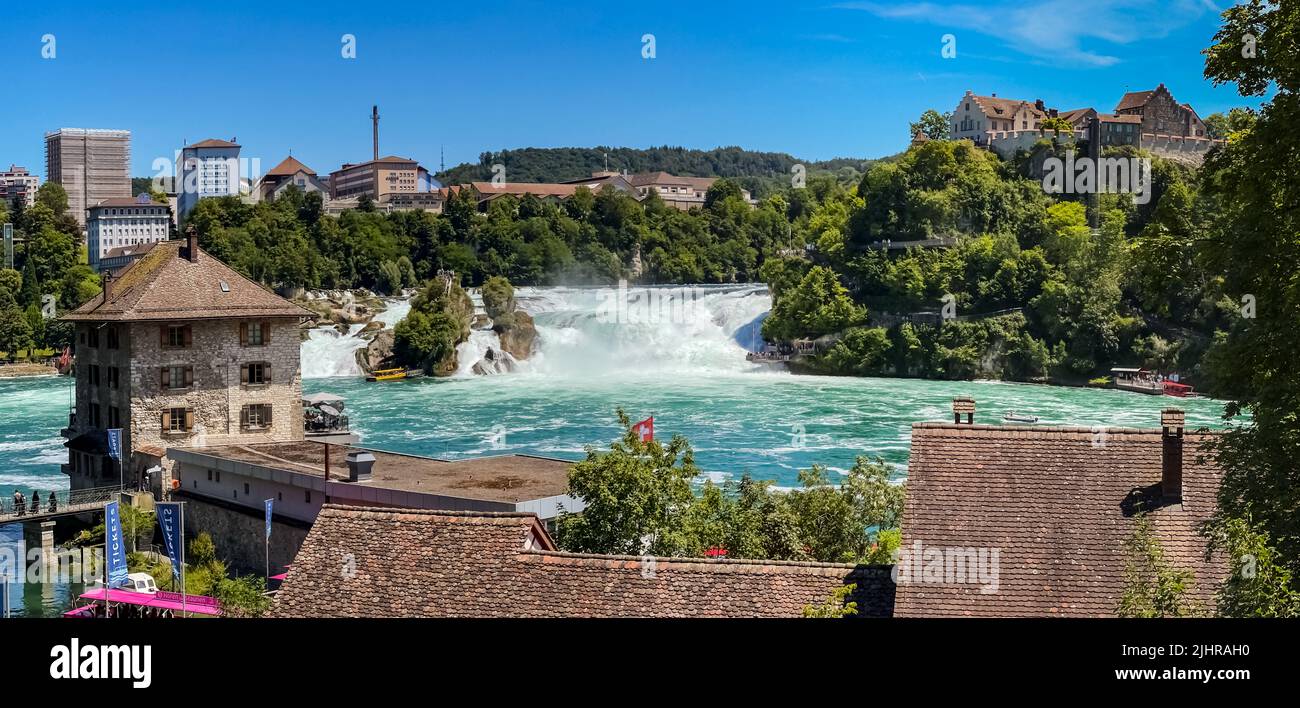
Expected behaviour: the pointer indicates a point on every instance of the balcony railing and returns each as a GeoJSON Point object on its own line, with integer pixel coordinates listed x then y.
{"type": "Point", "coordinates": [65, 502]}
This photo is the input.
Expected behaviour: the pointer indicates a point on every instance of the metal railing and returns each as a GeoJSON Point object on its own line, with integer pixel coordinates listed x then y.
{"type": "Point", "coordinates": [65, 502]}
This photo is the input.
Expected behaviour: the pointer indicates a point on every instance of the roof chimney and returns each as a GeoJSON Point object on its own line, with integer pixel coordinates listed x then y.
{"type": "Point", "coordinates": [360, 463]}
{"type": "Point", "coordinates": [963, 405]}
{"type": "Point", "coordinates": [1171, 455]}
{"type": "Point", "coordinates": [191, 244]}
{"type": "Point", "coordinates": [106, 283]}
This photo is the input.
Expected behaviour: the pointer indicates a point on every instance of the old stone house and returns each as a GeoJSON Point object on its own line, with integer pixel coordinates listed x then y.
{"type": "Point", "coordinates": [1161, 113]}
{"type": "Point", "coordinates": [180, 351]}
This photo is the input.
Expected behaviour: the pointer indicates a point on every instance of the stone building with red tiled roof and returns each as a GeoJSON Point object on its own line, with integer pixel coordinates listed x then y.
{"type": "Point", "coordinates": [368, 562]}
{"type": "Point", "coordinates": [1162, 114]}
{"type": "Point", "coordinates": [1050, 508]}
{"type": "Point", "coordinates": [180, 350]}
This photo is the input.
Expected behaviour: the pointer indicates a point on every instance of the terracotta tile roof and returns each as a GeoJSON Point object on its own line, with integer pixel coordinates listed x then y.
{"type": "Point", "coordinates": [366, 562]}
{"type": "Point", "coordinates": [1134, 99]}
{"type": "Point", "coordinates": [540, 189]}
{"type": "Point", "coordinates": [136, 250]}
{"type": "Point", "coordinates": [657, 178]}
{"type": "Point", "coordinates": [213, 143]}
{"type": "Point", "coordinates": [1005, 108]}
{"type": "Point", "coordinates": [165, 285]}
{"type": "Point", "coordinates": [288, 167]}
{"type": "Point", "coordinates": [1058, 509]}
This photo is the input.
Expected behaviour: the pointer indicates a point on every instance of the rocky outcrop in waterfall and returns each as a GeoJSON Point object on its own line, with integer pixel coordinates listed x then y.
{"type": "Point", "coordinates": [518, 334]}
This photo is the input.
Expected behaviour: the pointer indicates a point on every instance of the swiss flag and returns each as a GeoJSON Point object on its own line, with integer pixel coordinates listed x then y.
{"type": "Point", "coordinates": [646, 429]}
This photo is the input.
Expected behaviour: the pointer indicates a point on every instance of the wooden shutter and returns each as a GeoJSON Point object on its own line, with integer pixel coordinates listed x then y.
{"type": "Point", "coordinates": [167, 377]}
{"type": "Point", "coordinates": [166, 420]}
{"type": "Point", "coordinates": [243, 373]}
{"type": "Point", "coordinates": [189, 376]}
{"type": "Point", "coordinates": [163, 339]}
{"type": "Point", "coordinates": [189, 419]}
{"type": "Point", "coordinates": [266, 333]}
{"type": "Point", "coordinates": [189, 335]}
{"type": "Point", "coordinates": [266, 415]}
{"type": "Point", "coordinates": [266, 372]}
{"type": "Point", "coordinates": [243, 418]}
{"type": "Point", "coordinates": [243, 334]}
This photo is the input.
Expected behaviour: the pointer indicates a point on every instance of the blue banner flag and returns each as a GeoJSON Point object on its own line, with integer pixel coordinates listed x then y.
{"type": "Point", "coordinates": [115, 443]}
{"type": "Point", "coordinates": [114, 549]}
{"type": "Point", "coordinates": [269, 502]}
{"type": "Point", "coordinates": [169, 518]}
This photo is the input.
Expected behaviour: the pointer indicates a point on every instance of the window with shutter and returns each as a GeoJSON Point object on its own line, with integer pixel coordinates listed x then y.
{"type": "Point", "coordinates": [189, 419]}
{"type": "Point", "coordinates": [243, 334]}
{"type": "Point", "coordinates": [266, 332]}
{"type": "Point", "coordinates": [189, 376]}
{"type": "Point", "coordinates": [166, 377]}
{"type": "Point", "coordinates": [166, 421]}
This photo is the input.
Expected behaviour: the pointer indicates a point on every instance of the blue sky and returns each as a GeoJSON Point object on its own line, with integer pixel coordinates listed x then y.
{"type": "Point", "coordinates": [817, 80]}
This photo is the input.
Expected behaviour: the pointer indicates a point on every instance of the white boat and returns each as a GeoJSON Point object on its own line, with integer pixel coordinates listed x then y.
{"type": "Point", "coordinates": [1014, 417]}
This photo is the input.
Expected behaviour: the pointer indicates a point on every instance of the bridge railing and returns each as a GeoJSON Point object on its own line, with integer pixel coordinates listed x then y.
{"type": "Point", "coordinates": [65, 501]}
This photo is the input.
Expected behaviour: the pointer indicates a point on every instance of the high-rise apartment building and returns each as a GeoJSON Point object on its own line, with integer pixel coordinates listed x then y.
{"type": "Point", "coordinates": [208, 168]}
{"type": "Point", "coordinates": [92, 165]}
{"type": "Point", "coordinates": [17, 183]}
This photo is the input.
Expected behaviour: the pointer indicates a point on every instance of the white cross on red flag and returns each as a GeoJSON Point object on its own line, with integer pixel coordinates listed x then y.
{"type": "Point", "coordinates": [646, 429]}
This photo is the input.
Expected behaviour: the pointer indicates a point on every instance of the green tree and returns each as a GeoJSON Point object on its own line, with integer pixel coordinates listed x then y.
{"type": "Point", "coordinates": [1251, 185]}
{"type": "Point", "coordinates": [932, 123]}
{"type": "Point", "coordinates": [636, 497]}
{"type": "Point", "coordinates": [838, 605]}
{"type": "Point", "coordinates": [15, 332]}
{"type": "Point", "coordinates": [1152, 586]}
{"type": "Point", "coordinates": [54, 197]}
{"type": "Point", "coordinates": [1258, 583]}
{"type": "Point", "coordinates": [819, 305]}
{"type": "Point", "coordinates": [498, 297]}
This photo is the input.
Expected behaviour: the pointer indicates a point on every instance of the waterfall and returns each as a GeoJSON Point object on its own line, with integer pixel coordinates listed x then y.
{"type": "Point", "coordinates": [588, 331]}
{"type": "Point", "coordinates": [327, 353]}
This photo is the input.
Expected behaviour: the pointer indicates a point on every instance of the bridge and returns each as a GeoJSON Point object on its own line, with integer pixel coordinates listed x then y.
{"type": "Point", "coordinates": [73, 501]}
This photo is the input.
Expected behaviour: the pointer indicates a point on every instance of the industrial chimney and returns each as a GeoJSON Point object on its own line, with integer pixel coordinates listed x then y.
{"type": "Point", "coordinates": [1171, 455]}
{"type": "Point", "coordinates": [374, 122]}
{"type": "Point", "coordinates": [963, 405]}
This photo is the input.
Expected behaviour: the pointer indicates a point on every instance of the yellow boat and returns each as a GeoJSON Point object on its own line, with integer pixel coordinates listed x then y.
{"type": "Point", "coordinates": [387, 375]}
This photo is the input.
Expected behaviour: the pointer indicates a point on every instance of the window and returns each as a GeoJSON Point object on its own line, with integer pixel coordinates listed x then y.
{"type": "Point", "coordinates": [209, 475]}
{"type": "Point", "coordinates": [177, 336]}
{"type": "Point", "coordinates": [177, 420]}
{"type": "Point", "coordinates": [245, 488]}
{"type": "Point", "coordinates": [94, 415]}
{"type": "Point", "coordinates": [113, 338]}
{"type": "Point", "coordinates": [177, 377]}
{"type": "Point", "coordinates": [93, 374]}
{"type": "Point", "coordinates": [254, 334]}
{"type": "Point", "coordinates": [114, 377]}
{"type": "Point", "coordinates": [256, 373]}
{"type": "Point", "coordinates": [256, 416]}
{"type": "Point", "coordinates": [114, 417]}
{"type": "Point", "coordinates": [93, 337]}
{"type": "Point", "coordinates": [308, 496]}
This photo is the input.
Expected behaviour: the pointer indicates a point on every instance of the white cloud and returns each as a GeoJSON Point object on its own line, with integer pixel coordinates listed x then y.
{"type": "Point", "coordinates": [1065, 31]}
